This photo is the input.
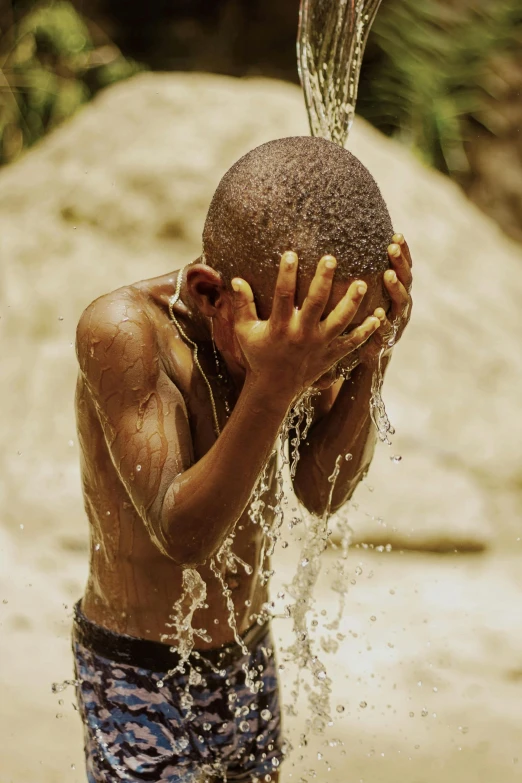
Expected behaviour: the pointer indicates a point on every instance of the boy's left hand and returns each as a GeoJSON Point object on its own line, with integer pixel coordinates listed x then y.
{"type": "Point", "coordinates": [398, 282]}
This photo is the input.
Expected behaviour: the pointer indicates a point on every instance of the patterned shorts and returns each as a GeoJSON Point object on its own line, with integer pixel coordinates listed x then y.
{"type": "Point", "coordinates": [138, 725]}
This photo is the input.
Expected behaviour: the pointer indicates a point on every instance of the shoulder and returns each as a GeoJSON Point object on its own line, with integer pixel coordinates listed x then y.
{"type": "Point", "coordinates": [116, 333]}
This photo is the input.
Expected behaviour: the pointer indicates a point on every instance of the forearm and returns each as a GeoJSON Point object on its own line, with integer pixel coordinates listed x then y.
{"type": "Point", "coordinates": [347, 429]}
{"type": "Point", "coordinates": [202, 505]}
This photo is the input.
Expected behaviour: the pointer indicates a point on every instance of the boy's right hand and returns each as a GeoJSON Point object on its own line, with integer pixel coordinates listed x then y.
{"type": "Point", "coordinates": [295, 347]}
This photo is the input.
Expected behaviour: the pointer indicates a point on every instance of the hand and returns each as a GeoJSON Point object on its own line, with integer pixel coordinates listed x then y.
{"type": "Point", "coordinates": [295, 347]}
{"type": "Point", "coordinates": [398, 282]}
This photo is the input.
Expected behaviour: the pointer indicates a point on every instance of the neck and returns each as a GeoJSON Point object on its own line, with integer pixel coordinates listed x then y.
{"type": "Point", "coordinates": [198, 328]}
{"type": "Point", "coordinates": [195, 325]}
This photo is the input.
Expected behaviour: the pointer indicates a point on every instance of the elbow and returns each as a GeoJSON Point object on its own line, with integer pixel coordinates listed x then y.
{"type": "Point", "coordinates": [318, 502]}
{"type": "Point", "coordinates": [187, 552]}
{"type": "Point", "coordinates": [311, 498]}
{"type": "Point", "coordinates": [187, 542]}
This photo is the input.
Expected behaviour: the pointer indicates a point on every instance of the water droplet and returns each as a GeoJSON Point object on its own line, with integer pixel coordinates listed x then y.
{"type": "Point", "coordinates": [321, 675]}
{"type": "Point", "coordinates": [358, 570]}
{"type": "Point", "coordinates": [424, 712]}
{"type": "Point", "coordinates": [284, 544]}
{"type": "Point", "coordinates": [60, 317]}
{"type": "Point", "coordinates": [244, 726]}
{"type": "Point", "coordinates": [373, 618]}
{"type": "Point", "coordinates": [340, 708]}
{"type": "Point", "coordinates": [138, 468]}
{"type": "Point", "coordinates": [5, 601]}
{"type": "Point", "coordinates": [71, 443]}
{"type": "Point", "coordinates": [21, 527]}
{"type": "Point", "coordinates": [363, 704]}
{"type": "Point", "coordinates": [60, 702]}
{"type": "Point", "coordinates": [464, 729]}
{"type": "Point", "coordinates": [348, 457]}
{"type": "Point", "coordinates": [266, 714]}
{"type": "Point", "coordinates": [304, 562]}
{"type": "Point", "coordinates": [97, 547]}
{"type": "Point", "coordinates": [412, 714]}
{"type": "Point", "coordinates": [59, 715]}
{"type": "Point", "coordinates": [207, 726]}
{"type": "Point", "coordinates": [396, 458]}
{"type": "Point", "coordinates": [160, 683]}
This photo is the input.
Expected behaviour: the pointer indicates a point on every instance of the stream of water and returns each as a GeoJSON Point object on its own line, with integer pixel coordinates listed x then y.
{"type": "Point", "coordinates": [331, 42]}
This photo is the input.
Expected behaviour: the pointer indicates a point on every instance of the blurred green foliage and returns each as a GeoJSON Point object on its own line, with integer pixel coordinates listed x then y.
{"type": "Point", "coordinates": [49, 66]}
{"type": "Point", "coordinates": [429, 72]}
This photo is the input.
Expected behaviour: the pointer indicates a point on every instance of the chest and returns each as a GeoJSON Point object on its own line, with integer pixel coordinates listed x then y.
{"type": "Point", "coordinates": [201, 378]}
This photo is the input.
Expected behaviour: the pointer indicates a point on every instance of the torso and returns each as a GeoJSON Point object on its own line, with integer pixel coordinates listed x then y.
{"type": "Point", "coordinates": [132, 587]}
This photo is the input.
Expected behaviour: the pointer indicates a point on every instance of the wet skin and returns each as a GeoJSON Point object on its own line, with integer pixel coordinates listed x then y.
{"type": "Point", "coordinates": [161, 492]}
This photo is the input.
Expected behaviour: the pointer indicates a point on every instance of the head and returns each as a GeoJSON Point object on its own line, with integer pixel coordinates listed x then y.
{"type": "Point", "coordinates": [303, 194]}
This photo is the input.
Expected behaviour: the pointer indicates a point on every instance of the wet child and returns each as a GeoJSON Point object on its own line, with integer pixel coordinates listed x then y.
{"type": "Point", "coordinates": [185, 381]}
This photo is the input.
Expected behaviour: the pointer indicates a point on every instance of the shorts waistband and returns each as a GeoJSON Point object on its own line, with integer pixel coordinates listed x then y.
{"type": "Point", "coordinates": [158, 656]}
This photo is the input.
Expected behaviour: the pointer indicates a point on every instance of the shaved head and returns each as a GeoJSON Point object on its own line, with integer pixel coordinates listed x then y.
{"type": "Point", "coordinates": [303, 194]}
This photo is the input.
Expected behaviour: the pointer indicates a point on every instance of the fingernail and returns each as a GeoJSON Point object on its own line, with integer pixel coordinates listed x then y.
{"type": "Point", "coordinates": [330, 262]}
{"type": "Point", "coordinates": [236, 285]}
{"type": "Point", "coordinates": [394, 250]}
{"type": "Point", "coordinates": [392, 277]}
{"type": "Point", "coordinates": [290, 258]}
{"type": "Point", "coordinates": [361, 288]}
{"type": "Point", "coordinates": [398, 239]}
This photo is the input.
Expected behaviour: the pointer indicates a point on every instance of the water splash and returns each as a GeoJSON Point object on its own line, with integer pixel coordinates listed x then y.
{"type": "Point", "coordinates": [193, 597]}
{"type": "Point", "coordinates": [330, 47]}
{"type": "Point", "coordinates": [59, 687]}
{"type": "Point", "coordinates": [377, 410]}
{"type": "Point", "coordinates": [223, 558]}
{"type": "Point", "coordinates": [301, 589]}
{"type": "Point", "coordinates": [340, 582]}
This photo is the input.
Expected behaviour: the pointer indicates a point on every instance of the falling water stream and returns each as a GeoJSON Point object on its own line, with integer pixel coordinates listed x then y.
{"type": "Point", "coordinates": [331, 41]}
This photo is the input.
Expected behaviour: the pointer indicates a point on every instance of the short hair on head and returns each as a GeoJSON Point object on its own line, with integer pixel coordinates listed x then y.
{"type": "Point", "coordinates": [303, 194]}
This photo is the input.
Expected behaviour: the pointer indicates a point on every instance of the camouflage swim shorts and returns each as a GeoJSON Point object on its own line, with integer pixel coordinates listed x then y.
{"type": "Point", "coordinates": [138, 725]}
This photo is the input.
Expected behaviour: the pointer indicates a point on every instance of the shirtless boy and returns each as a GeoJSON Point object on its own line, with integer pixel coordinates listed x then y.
{"type": "Point", "coordinates": [297, 287]}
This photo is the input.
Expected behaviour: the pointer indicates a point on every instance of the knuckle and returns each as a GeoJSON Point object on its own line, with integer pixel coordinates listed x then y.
{"type": "Point", "coordinates": [316, 302]}
{"type": "Point", "coordinates": [284, 293]}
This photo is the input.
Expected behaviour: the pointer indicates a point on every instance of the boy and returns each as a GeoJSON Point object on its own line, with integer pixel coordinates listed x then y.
{"type": "Point", "coordinates": [184, 383]}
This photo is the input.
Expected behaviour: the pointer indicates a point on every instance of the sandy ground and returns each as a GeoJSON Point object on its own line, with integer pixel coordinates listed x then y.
{"type": "Point", "coordinates": [433, 647]}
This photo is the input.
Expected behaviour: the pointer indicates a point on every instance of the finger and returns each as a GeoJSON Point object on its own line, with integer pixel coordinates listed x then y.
{"type": "Point", "coordinates": [244, 305]}
{"type": "Point", "coordinates": [284, 296]}
{"type": "Point", "coordinates": [344, 312]}
{"type": "Point", "coordinates": [399, 239]}
{"type": "Point", "coordinates": [387, 331]}
{"type": "Point", "coordinates": [400, 264]}
{"type": "Point", "coordinates": [342, 346]}
{"type": "Point", "coordinates": [400, 297]}
{"type": "Point", "coordinates": [319, 292]}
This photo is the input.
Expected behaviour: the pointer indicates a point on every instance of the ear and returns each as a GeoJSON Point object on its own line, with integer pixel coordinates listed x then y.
{"type": "Point", "coordinates": [206, 288]}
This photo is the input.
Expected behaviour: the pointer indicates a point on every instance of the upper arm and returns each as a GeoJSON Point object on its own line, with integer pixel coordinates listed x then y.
{"type": "Point", "coordinates": [141, 411]}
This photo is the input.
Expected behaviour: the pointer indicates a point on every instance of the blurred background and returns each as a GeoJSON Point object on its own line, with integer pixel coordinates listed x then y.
{"type": "Point", "coordinates": [117, 121]}
{"type": "Point", "coordinates": [442, 76]}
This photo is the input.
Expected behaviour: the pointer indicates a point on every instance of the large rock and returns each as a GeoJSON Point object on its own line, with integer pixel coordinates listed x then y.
{"type": "Point", "coordinates": [120, 193]}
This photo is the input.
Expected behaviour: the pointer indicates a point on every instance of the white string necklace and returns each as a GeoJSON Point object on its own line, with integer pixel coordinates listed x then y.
{"type": "Point", "coordinates": [172, 301]}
